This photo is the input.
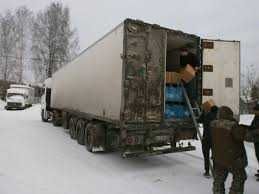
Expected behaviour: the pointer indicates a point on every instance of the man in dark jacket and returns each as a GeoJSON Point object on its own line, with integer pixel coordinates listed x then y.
{"type": "Point", "coordinates": [206, 119]}
{"type": "Point", "coordinates": [188, 58]}
{"type": "Point", "coordinates": [255, 126]}
{"type": "Point", "coordinates": [228, 152]}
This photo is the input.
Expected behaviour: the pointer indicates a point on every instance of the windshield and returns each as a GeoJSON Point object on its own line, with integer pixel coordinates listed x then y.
{"type": "Point", "coordinates": [14, 94]}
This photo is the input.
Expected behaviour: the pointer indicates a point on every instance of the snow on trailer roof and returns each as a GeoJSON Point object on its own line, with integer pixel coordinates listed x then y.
{"type": "Point", "coordinates": [19, 86]}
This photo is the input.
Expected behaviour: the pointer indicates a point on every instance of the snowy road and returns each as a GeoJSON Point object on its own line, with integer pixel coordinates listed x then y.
{"type": "Point", "coordinates": [37, 158]}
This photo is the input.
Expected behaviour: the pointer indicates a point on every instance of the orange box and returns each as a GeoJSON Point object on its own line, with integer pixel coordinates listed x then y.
{"type": "Point", "coordinates": [168, 77]}
{"type": "Point", "coordinates": [172, 78]}
{"type": "Point", "coordinates": [207, 105]}
{"type": "Point", "coordinates": [188, 73]}
{"type": "Point", "coordinates": [176, 78]}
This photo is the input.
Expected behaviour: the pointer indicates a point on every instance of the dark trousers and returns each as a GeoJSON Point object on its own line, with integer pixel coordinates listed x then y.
{"type": "Point", "coordinates": [206, 148]}
{"type": "Point", "coordinates": [257, 150]}
{"type": "Point", "coordinates": [220, 176]}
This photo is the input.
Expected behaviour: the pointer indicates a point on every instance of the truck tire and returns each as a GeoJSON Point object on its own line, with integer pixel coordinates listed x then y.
{"type": "Point", "coordinates": [88, 137]}
{"type": "Point", "coordinates": [80, 131]}
{"type": "Point", "coordinates": [56, 120]}
{"type": "Point", "coordinates": [43, 118]}
{"type": "Point", "coordinates": [72, 127]}
{"type": "Point", "coordinates": [65, 120]}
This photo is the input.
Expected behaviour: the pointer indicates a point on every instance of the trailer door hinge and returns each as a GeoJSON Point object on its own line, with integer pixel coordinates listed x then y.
{"type": "Point", "coordinates": [207, 44]}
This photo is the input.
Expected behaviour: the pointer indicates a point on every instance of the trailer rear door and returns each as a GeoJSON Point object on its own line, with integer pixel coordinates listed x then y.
{"type": "Point", "coordinates": [144, 72]}
{"type": "Point", "coordinates": [221, 72]}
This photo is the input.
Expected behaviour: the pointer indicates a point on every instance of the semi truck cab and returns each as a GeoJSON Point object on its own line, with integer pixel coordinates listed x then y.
{"type": "Point", "coordinates": [46, 113]}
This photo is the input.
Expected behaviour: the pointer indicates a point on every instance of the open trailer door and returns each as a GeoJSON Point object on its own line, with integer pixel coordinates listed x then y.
{"type": "Point", "coordinates": [221, 72]}
{"type": "Point", "coordinates": [144, 72]}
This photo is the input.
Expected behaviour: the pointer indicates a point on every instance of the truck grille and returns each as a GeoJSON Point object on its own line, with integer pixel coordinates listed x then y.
{"type": "Point", "coordinates": [14, 104]}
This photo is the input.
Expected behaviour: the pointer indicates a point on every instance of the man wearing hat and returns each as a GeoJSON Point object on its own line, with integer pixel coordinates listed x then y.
{"type": "Point", "coordinates": [206, 118]}
{"type": "Point", "coordinates": [228, 151]}
{"type": "Point", "coordinates": [188, 58]}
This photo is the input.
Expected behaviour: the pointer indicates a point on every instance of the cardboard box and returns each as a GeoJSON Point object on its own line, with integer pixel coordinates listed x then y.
{"type": "Point", "coordinates": [207, 105]}
{"type": "Point", "coordinates": [168, 77]}
{"type": "Point", "coordinates": [176, 78]}
{"type": "Point", "coordinates": [173, 77]}
{"type": "Point", "coordinates": [188, 73]}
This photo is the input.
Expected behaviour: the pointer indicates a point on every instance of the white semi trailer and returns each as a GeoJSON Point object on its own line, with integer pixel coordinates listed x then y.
{"type": "Point", "coordinates": [112, 96]}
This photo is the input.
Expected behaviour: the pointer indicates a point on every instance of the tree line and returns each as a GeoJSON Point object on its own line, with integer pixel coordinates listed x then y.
{"type": "Point", "coordinates": [249, 88]}
{"type": "Point", "coordinates": [39, 43]}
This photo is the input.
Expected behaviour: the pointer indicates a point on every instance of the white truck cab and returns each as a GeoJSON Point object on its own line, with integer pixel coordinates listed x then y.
{"type": "Point", "coordinates": [46, 113]}
{"type": "Point", "coordinates": [19, 97]}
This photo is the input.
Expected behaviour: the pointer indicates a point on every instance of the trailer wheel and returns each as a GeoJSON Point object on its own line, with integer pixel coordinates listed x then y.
{"type": "Point", "coordinates": [88, 138]}
{"type": "Point", "coordinates": [56, 119]}
{"type": "Point", "coordinates": [65, 120]}
{"type": "Point", "coordinates": [72, 127]}
{"type": "Point", "coordinates": [95, 137]}
{"type": "Point", "coordinates": [80, 131]}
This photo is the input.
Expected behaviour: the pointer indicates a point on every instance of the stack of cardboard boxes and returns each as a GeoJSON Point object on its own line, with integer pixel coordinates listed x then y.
{"type": "Point", "coordinates": [186, 74]}
{"type": "Point", "coordinates": [206, 106]}
{"type": "Point", "coordinates": [175, 106]}
{"type": "Point", "coordinates": [173, 80]}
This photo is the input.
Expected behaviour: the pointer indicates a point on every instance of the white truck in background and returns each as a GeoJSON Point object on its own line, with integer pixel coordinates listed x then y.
{"type": "Point", "coordinates": [19, 97]}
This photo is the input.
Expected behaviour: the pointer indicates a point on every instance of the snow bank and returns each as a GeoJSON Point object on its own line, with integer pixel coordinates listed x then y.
{"type": "Point", "coordinates": [2, 104]}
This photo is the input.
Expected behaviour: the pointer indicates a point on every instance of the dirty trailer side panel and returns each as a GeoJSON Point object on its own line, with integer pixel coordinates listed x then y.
{"type": "Point", "coordinates": [144, 73]}
{"type": "Point", "coordinates": [92, 83]}
{"type": "Point", "coordinates": [118, 78]}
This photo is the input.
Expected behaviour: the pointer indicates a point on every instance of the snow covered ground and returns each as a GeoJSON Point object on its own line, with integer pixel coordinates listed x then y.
{"type": "Point", "coordinates": [2, 104]}
{"type": "Point", "coordinates": [37, 158]}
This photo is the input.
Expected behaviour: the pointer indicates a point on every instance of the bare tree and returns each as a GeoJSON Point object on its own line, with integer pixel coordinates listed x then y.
{"type": "Point", "coordinates": [249, 89]}
{"type": "Point", "coordinates": [7, 45]}
{"type": "Point", "coordinates": [54, 42]}
{"type": "Point", "coordinates": [23, 22]}
{"type": "Point", "coordinates": [255, 90]}
{"type": "Point", "coordinates": [249, 79]}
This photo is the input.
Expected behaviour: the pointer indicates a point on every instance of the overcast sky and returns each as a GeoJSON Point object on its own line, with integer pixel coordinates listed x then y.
{"type": "Point", "coordinates": [220, 19]}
